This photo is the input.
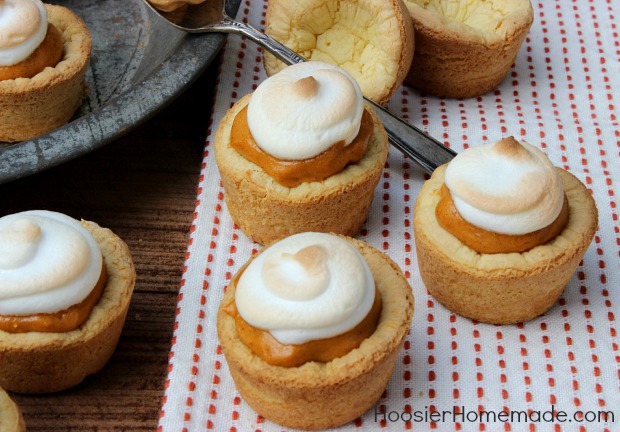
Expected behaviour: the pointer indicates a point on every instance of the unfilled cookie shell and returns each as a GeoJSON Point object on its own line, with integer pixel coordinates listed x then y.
{"type": "Point", "coordinates": [465, 48]}
{"type": "Point", "coordinates": [371, 39]}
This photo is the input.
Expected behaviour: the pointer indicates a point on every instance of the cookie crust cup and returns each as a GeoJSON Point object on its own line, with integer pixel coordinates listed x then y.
{"type": "Point", "coordinates": [30, 107]}
{"type": "Point", "coordinates": [464, 49]}
{"type": "Point", "coordinates": [37, 362]}
{"type": "Point", "coordinates": [500, 288]}
{"type": "Point", "coordinates": [266, 211]}
{"type": "Point", "coordinates": [324, 395]}
{"type": "Point", "coordinates": [372, 40]}
{"type": "Point", "coordinates": [11, 419]}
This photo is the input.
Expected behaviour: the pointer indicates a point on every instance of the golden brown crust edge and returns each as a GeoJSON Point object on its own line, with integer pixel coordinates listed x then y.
{"type": "Point", "coordinates": [11, 419]}
{"type": "Point", "coordinates": [408, 48]}
{"type": "Point", "coordinates": [37, 362]}
{"type": "Point", "coordinates": [500, 288]}
{"type": "Point", "coordinates": [32, 106]}
{"type": "Point", "coordinates": [267, 211]}
{"type": "Point", "coordinates": [325, 395]}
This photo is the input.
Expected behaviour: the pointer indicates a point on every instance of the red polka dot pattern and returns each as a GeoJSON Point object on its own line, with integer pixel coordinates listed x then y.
{"type": "Point", "coordinates": [557, 372]}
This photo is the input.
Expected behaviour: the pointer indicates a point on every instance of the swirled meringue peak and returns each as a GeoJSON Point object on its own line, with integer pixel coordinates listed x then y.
{"type": "Point", "coordinates": [23, 26]}
{"type": "Point", "coordinates": [306, 287]}
{"type": "Point", "coordinates": [304, 109]}
{"type": "Point", "coordinates": [508, 187]}
{"type": "Point", "coordinates": [48, 262]}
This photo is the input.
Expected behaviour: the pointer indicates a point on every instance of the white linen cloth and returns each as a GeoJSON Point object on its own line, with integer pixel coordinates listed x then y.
{"type": "Point", "coordinates": [561, 95]}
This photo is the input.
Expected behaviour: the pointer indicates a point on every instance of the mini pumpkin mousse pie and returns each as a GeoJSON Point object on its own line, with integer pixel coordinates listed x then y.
{"type": "Point", "coordinates": [65, 288]}
{"type": "Point", "coordinates": [301, 153]}
{"type": "Point", "coordinates": [311, 328]}
{"type": "Point", "coordinates": [44, 53]}
{"type": "Point", "coordinates": [500, 231]}
{"type": "Point", "coordinates": [11, 419]}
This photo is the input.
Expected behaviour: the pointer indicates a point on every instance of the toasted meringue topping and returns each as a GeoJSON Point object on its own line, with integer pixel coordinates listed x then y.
{"type": "Point", "coordinates": [305, 109]}
{"type": "Point", "coordinates": [306, 287]}
{"type": "Point", "coordinates": [23, 25]}
{"type": "Point", "coordinates": [48, 262]}
{"type": "Point", "coordinates": [506, 187]}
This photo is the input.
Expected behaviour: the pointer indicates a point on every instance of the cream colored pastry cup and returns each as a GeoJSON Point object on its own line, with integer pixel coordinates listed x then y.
{"type": "Point", "coordinates": [267, 211]}
{"type": "Point", "coordinates": [11, 419]}
{"type": "Point", "coordinates": [38, 362]}
{"type": "Point", "coordinates": [465, 48]}
{"type": "Point", "coordinates": [372, 40]}
{"type": "Point", "coordinates": [30, 107]}
{"type": "Point", "coordinates": [500, 288]}
{"type": "Point", "coordinates": [325, 395]}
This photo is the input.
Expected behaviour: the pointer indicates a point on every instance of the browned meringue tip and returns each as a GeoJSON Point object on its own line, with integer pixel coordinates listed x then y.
{"type": "Point", "coordinates": [312, 260]}
{"type": "Point", "coordinates": [310, 257]}
{"type": "Point", "coordinates": [22, 230]}
{"type": "Point", "coordinates": [511, 148]}
{"type": "Point", "coordinates": [306, 87]}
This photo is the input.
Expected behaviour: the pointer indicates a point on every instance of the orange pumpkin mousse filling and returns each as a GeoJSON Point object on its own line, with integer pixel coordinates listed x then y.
{"type": "Point", "coordinates": [272, 351]}
{"type": "Point", "coordinates": [292, 173]}
{"type": "Point", "coordinates": [489, 242]}
{"type": "Point", "coordinates": [49, 53]}
{"type": "Point", "coordinates": [59, 322]}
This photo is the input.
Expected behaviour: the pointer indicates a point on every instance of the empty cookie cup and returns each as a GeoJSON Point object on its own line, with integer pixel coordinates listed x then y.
{"type": "Point", "coordinates": [465, 48]}
{"type": "Point", "coordinates": [371, 39]}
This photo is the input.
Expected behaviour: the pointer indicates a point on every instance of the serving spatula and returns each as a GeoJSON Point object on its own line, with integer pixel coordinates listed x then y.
{"type": "Point", "coordinates": [210, 16]}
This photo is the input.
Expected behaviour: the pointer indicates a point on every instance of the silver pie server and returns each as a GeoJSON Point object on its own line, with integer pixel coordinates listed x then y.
{"type": "Point", "coordinates": [210, 16]}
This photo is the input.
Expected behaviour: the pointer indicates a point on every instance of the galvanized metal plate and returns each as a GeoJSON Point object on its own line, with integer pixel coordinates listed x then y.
{"type": "Point", "coordinates": [139, 64]}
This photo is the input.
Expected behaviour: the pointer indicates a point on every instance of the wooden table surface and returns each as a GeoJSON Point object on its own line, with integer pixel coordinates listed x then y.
{"type": "Point", "coordinates": [143, 187]}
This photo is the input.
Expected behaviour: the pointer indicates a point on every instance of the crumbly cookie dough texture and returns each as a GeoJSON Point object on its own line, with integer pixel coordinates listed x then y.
{"type": "Point", "coordinates": [465, 48]}
{"type": "Point", "coordinates": [11, 419]}
{"type": "Point", "coordinates": [324, 395]}
{"type": "Point", "coordinates": [267, 211]}
{"type": "Point", "coordinates": [36, 362]}
{"type": "Point", "coordinates": [33, 106]}
{"type": "Point", "coordinates": [371, 39]}
{"type": "Point", "coordinates": [500, 288]}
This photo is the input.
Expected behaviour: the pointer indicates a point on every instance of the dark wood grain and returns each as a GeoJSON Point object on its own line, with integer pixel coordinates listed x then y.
{"type": "Point", "coordinates": [143, 187]}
